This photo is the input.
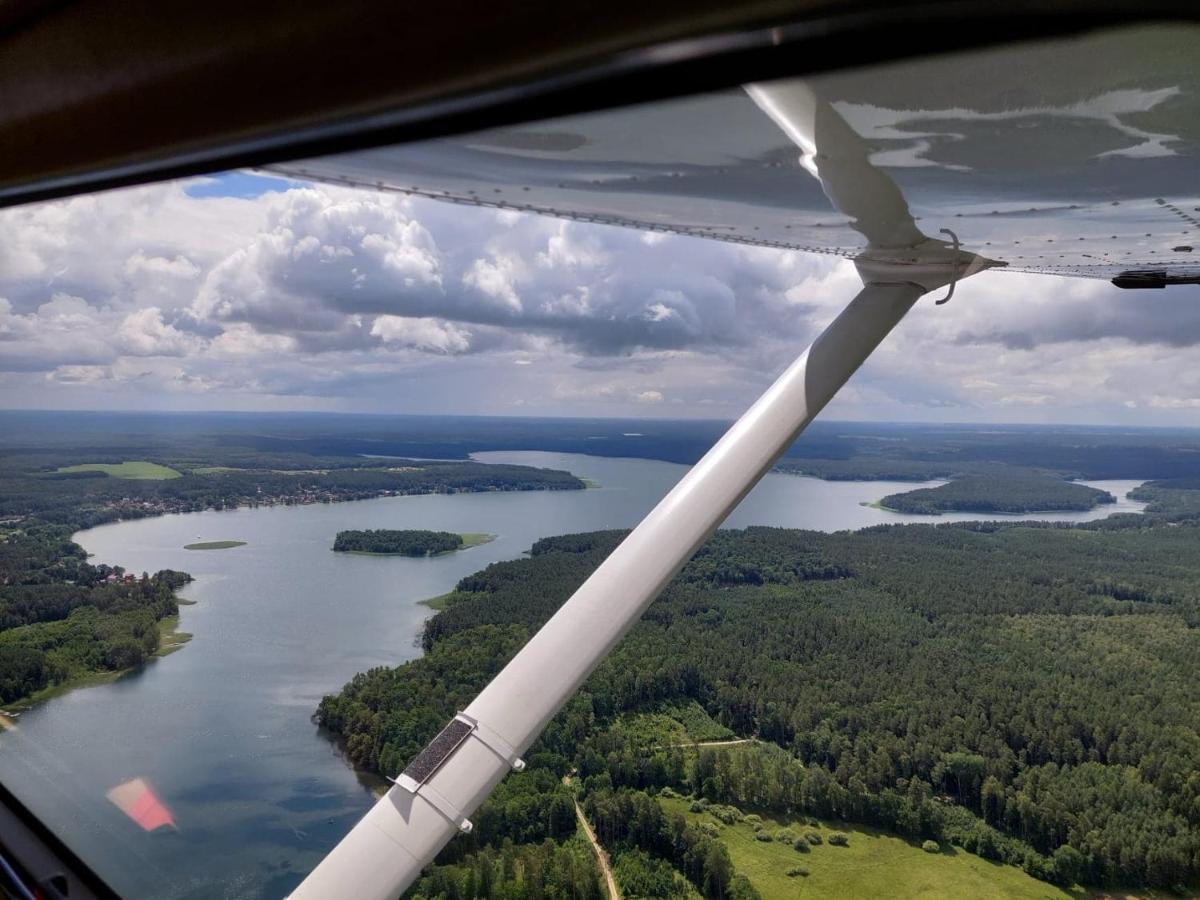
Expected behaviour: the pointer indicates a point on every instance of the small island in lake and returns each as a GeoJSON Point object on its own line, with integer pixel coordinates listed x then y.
{"type": "Point", "coordinates": [415, 542]}
{"type": "Point", "coordinates": [214, 545]}
{"type": "Point", "coordinates": [1008, 493]}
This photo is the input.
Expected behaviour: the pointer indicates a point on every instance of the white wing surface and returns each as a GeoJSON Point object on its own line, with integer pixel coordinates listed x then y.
{"type": "Point", "coordinates": [1071, 157]}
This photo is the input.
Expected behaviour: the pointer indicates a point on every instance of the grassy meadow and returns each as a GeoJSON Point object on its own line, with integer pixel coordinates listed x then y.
{"type": "Point", "coordinates": [136, 469]}
{"type": "Point", "coordinates": [873, 864]}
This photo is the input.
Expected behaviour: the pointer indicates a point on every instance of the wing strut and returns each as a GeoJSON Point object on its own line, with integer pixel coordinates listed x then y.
{"type": "Point", "coordinates": [431, 802]}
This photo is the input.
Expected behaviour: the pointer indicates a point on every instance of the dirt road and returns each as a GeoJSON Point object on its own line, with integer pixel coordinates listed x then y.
{"type": "Point", "coordinates": [601, 855]}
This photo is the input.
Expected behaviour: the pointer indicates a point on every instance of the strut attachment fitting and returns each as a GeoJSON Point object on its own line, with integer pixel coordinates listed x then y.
{"type": "Point", "coordinates": [414, 777]}
{"type": "Point", "coordinates": [954, 283]}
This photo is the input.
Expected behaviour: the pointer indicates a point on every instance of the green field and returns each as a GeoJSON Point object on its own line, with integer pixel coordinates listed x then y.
{"type": "Point", "coordinates": [874, 864]}
{"type": "Point", "coordinates": [474, 539]}
{"type": "Point", "coordinates": [214, 545]}
{"type": "Point", "coordinates": [137, 469]}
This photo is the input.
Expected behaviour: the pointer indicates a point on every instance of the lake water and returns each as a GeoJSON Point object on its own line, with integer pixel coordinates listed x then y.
{"type": "Point", "coordinates": [222, 728]}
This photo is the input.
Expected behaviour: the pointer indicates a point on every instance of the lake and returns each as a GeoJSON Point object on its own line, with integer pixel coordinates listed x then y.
{"type": "Point", "coordinates": [222, 728]}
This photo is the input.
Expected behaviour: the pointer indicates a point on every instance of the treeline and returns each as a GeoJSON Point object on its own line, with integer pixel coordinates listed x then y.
{"type": "Point", "coordinates": [974, 683]}
{"type": "Point", "coordinates": [87, 501]}
{"type": "Point", "coordinates": [1175, 500]}
{"type": "Point", "coordinates": [625, 819]}
{"type": "Point", "coordinates": [767, 778]}
{"type": "Point", "coordinates": [1006, 491]}
{"type": "Point", "coordinates": [414, 542]}
{"type": "Point", "coordinates": [827, 449]}
{"type": "Point", "coordinates": [62, 618]}
{"type": "Point", "coordinates": [545, 871]}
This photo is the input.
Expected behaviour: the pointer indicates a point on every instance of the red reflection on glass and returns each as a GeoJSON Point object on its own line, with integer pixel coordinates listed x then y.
{"type": "Point", "coordinates": [137, 800]}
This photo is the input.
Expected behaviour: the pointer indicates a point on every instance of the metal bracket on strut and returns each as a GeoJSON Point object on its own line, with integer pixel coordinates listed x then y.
{"type": "Point", "coordinates": [414, 778]}
{"type": "Point", "coordinates": [954, 282]}
{"type": "Point", "coordinates": [493, 741]}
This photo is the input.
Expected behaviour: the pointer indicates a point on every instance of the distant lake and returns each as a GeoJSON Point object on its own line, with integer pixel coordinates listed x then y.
{"type": "Point", "coordinates": [222, 728]}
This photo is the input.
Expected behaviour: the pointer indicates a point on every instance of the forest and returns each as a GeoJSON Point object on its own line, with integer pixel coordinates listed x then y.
{"type": "Point", "coordinates": [62, 618]}
{"type": "Point", "coordinates": [1006, 491]}
{"type": "Point", "coordinates": [827, 449]}
{"type": "Point", "coordinates": [411, 542]}
{"type": "Point", "coordinates": [1024, 692]}
{"type": "Point", "coordinates": [31, 486]}
{"type": "Point", "coordinates": [1021, 691]}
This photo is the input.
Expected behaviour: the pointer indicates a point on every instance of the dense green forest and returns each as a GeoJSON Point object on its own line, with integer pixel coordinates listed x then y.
{"type": "Point", "coordinates": [1007, 491]}
{"type": "Point", "coordinates": [837, 450]}
{"type": "Point", "coordinates": [1024, 692]}
{"type": "Point", "coordinates": [543, 871]}
{"type": "Point", "coordinates": [32, 487]}
{"type": "Point", "coordinates": [411, 542]}
{"type": "Point", "coordinates": [62, 618]}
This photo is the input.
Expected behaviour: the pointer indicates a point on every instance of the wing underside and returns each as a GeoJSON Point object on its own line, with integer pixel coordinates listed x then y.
{"type": "Point", "coordinates": [1071, 157]}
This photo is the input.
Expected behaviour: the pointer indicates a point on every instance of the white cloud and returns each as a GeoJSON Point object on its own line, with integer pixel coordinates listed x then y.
{"type": "Point", "coordinates": [422, 334]}
{"type": "Point", "coordinates": [177, 267]}
{"type": "Point", "coordinates": [143, 333]}
{"type": "Point", "coordinates": [332, 298]}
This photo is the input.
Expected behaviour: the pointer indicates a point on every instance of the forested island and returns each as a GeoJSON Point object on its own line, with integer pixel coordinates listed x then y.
{"type": "Point", "coordinates": [966, 685]}
{"type": "Point", "coordinates": [1005, 492]}
{"type": "Point", "coordinates": [410, 542]}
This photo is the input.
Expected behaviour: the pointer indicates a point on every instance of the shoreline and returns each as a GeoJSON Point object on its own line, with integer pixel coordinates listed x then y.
{"type": "Point", "coordinates": [438, 603]}
{"type": "Point", "coordinates": [374, 782]}
{"type": "Point", "coordinates": [878, 504]}
{"type": "Point", "coordinates": [170, 639]}
{"type": "Point", "coordinates": [308, 500]}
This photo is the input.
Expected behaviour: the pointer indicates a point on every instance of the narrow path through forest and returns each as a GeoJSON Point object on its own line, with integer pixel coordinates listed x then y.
{"type": "Point", "coordinates": [601, 854]}
{"type": "Point", "coordinates": [728, 743]}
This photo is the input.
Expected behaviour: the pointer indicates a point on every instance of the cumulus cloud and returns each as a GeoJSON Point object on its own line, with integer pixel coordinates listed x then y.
{"type": "Point", "coordinates": [144, 333]}
{"type": "Point", "coordinates": [422, 334]}
{"type": "Point", "coordinates": [319, 297]}
{"type": "Point", "coordinates": [326, 254]}
{"type": "Point", "coordinates": [64, 330]}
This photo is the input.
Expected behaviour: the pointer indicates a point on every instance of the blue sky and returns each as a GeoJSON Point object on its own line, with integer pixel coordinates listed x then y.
{"type": "Point", "coordinates": [237, 184]}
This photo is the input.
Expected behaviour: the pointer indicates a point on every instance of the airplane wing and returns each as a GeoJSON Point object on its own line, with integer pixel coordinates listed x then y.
{"type": "Point", "coordinates": [1076, 159]}
{"type": "Point", "coordinates": [867, 166]}
{"type": "Point", "coordinates": [1043, 158]}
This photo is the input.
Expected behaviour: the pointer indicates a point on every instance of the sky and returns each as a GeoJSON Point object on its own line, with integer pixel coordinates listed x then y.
{"type": "Point", "coordinates": [246, 292]}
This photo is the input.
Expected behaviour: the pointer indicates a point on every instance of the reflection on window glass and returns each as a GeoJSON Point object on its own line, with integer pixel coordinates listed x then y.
{"type": "Point", "coordinates": [290, 469]}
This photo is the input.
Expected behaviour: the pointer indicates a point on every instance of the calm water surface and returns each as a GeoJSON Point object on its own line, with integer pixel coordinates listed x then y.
{"type": "Point", "coordinates": [222, 728]}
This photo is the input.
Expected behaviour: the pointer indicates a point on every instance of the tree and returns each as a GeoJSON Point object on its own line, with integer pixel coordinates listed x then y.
{"type": "Point", "coordinates": [718, 871]}
{"type": "Point", "coordinates": [1067, 865]}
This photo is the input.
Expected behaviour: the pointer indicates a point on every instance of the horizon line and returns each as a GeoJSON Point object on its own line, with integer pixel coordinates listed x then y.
{"type": "Point", "coordinates": [723, 421]}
